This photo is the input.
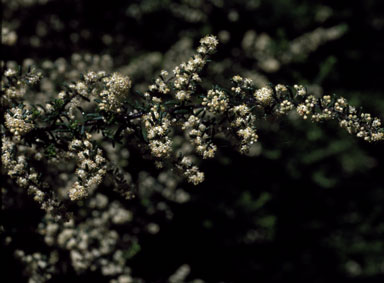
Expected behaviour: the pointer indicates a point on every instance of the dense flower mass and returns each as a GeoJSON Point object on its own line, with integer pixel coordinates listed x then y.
{"type": "Point", "coordinates": [93, 115]}
{"type": "Point", "coordinates": [92, 244]}
{"type": "Point", "coordinates": [18, 121]}
{"type": "Point", "coordinates": [132, 152]}
{"type": "Point", "coordinates": [264, 96]}
{"type": "Point", "coordinates": [216, 101]}
{"type": "Point", "coordinates": [90, 172]}
{"type": "Point", "coordinates": [170, 106]}
{"type": "Point", "coordinates": [117, 88]}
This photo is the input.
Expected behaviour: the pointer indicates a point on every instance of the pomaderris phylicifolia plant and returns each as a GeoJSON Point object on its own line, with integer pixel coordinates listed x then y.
{"type": "Point", "coordinates": [101, 108]}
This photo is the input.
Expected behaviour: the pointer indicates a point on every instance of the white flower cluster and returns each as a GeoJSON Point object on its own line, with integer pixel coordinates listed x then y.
{"type": "Point", "coordinates": [243, 123]}
{"type": "Point", "coordinates": [13, 93]}
{"type": "Point", "coordinates": [91, 167]}
{"type": "Point", "coordinates": [325, 101]}
{"type": "Point", "coordinates": [118, 84]}
{"type": "Point", "coordinates": [190, 171]}
{"type": "Point", "coordinates": [284, 107]}
{"type": "Point", "coordinates": [7, 153]}
{"type": "Point", "coordinates": [208, 45]}
{"type": "Point", "coordinates": [306, 108]}
{"type": "Point", "coordinates": [19, 121]}
{"type": "Point", "coordinates": [10, 72]}
{"type": "Point", "coordinates": [303, 111]}
{"type": "Point", "coordinates": [157, 132]}
{"type": "Point", "coordinates": [326, 113]}
{"type": "Point", "coordinates": [186, 74]}
{"type": "Point", "coordinates": [341, 104]}
{"type": "Point", "coordinates": [280, 89]}
{"type": "Point", "coordinates": [33, 77]}
{"type": "Point", "coordinates": [242, 85]}
{"type": "Point", "coordinates": [118, 87]}
{"type": "Point", "coordinates": [82, 88]}
{"type": "Point", "coordinates": [216, 101]}
{"type": "Point", "coordinates": [16, 86]}
{"type": "Point", "coordinates": [161, 148]}
{"type": "Point", "coordinates": [93, 244]}
{"type": "Point", "coordinates": [318, 109]}
{"type": "Point", "coordinates": [92, 77]}
{"type": "Point", "coordinates": [248, 137]}
{"type": "Point", "coordinates": [183, 95]}
{"type": "Point", "coordinates": [264, 96]}
{"type": "Point", "coordinates": [15, 162]}
{"type": "Point", "coordinates": [160, 86]}
{"type": "Point", "coordinates": [195, 130]}
{"type": "Point", "coordinates": [300, 90]}
{"type": "Point", "coordinates": [364, 126]}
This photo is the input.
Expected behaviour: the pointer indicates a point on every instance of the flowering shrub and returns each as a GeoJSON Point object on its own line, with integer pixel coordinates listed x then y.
{"type": "Point", "coordinates": [99, 164]}
{"type": "Point", "coordinates": [63, 130]}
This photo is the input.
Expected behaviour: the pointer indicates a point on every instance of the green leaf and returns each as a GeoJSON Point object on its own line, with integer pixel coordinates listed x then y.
{"type": "Point", "coordinates": [171, 102]}
{"type": "Point", "coordinates": [82, 129]}
{"type": "Point", "coordinates": [181, 111]}
{"type": "Point", "coordinates": [92, 115]}
{"type": "Point", "coordinates": [144, 133]}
